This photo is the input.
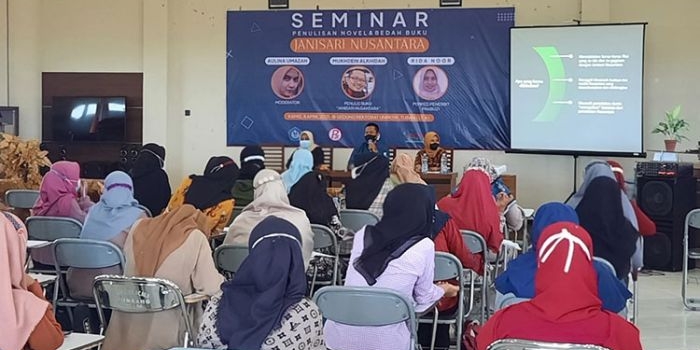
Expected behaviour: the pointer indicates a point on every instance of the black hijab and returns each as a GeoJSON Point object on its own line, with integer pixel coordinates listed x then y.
{"type": "Point", "coordinates": [600, 213]}
{"type": "Point", "coordinates": [252, 160]}
{"type": "Point", "coordinates": [214, 186]}
{"type": "Point", "coordinates": [310, 195]}
{"type": "Point", "coordinates": [372, 171]}
{"type": "Point", "coordinates": [151, 185]}
{"type": "Point", "coordinates": [409, 217]}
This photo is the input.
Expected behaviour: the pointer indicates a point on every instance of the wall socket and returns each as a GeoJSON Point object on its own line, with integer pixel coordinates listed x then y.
{"type": "Point", "coordinates": [188, 113]}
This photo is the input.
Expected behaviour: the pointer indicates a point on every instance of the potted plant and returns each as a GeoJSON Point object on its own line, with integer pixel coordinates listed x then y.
{"type": "Point", "coordinates": [672, 128]}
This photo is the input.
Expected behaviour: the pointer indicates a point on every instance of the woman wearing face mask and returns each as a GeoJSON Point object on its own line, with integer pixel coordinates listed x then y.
{"type": "Point", "coordinates": [306, 141]}
{"type": "Point", "coordinates": [431, 148]}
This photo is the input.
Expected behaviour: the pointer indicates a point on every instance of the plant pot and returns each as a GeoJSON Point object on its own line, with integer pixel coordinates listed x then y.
{"type": "Point", "coordinates": [670, 145]}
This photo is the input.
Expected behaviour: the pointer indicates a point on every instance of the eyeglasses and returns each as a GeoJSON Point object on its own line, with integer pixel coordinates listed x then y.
{"type": "Point", "coordinates": [356, 79]}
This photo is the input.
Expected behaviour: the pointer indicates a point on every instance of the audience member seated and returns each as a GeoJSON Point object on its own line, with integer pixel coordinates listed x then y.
{"type": "Point", "coordinates": [473, 207]}
{"type": "Point", "coordinates": [302, 163]}
{"type": "Point", "coordinates": [310, 195]}
{"type": "Point", "coordinates": [402, 171]}
{"type": "Point", "coordinates": [210, 193]}
{"type": "Point", "coordinates": [431, 149]}
{"type": "Point", "coordinates": [174, 247]}
{"type": "Point", "coordinates": [270, 199]}
{"type": "Point", "coordinates": [110, 220]}
{"type": "Point", "coordinates": [264, 305]}
{"type": "Point", "coordinates": [396, 253]}
{"type": "Point", "coordinates": [306, 142]}
{"type": "Point", "coordinates": [517, 283]}
{"type": "Point", "coordinates": [59, 195]}
{"type": "Point", "coordinates": [151, 184]}
{"type": "Point", "coordinates": [566, 307]}
{"type": "Point", "coordinates": [371, 146]}
{"type": "Point", "coordinates": [27, 320]}
{"type": "Point", "coordinates": [252, 160]}
{"type": "Point", "coordinates": [647, 227]}
{"type": "Point", "coordinates": [369, 185]}
{"type": "Point", "coordinates": [606, 213]}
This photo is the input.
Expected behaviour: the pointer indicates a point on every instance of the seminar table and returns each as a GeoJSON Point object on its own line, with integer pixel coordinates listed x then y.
{"type": "Point", "coordinates": [443, 183]}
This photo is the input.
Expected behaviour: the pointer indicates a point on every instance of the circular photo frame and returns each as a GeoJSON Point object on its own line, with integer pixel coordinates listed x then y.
{"type": "Point", "coordinates": [287, 82]}
{"type": "Point", "coordinates": [430, 83]}
{"type": "Point", "coordinates": [358, 82]}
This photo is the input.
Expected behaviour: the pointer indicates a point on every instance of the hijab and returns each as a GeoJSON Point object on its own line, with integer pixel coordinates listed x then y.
{"type": "Point", "coordinates": [154, 239]}
{"type": "Point", "coordinates": [214, 186]}
{"type": "Point", "coordinates": [302, 163]}
{"type": "Point", "coordinates": [473, 207]}
{"type": "Point", "coordinates": [372, 171]}
{"type": "Point", "coordinates": [270, 280]}
{"type": "Point", "coordinates": [21, 310]}
{"type": "Point", "coordinates": [312, 143]}
{"type": "Point", "coordinates": [566, 307]}
{"type": "Point", "coordinates": [59, 190]}
{"type": "Point", "coordinates": [404, 171]}
{"type": "Point", "coordinates": [270, 199]}
{"type": "Point", "coordinates": [427, 94]}
{"type": "Point", "coordinates": [483, 164]}
{"type": "Point", "coordinates": [426, 143]}
{"type": "Point", "coordinates": [252, 160]}
{"type": "Point", "coordinates": [151, 184]}
{"type": "Point", "coordinates": [619, 173]}
{"type": "Point", "coordinates": [116, 211]}
{"type": "Point", "coordinates": [310, 195]}
{"type": "Point", "coordinates": [409, 215]}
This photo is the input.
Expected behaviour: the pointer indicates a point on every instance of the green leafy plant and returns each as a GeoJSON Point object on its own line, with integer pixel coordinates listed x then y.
{"type": "Point", "coordinates": [673, 125]}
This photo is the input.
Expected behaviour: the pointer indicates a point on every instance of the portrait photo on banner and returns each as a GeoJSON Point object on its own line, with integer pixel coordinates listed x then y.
{"type": "Point", "coordinates": [430, 83]}
{"type": "Point", "coordinates": [287, 82]}
{"type": "Point", "coordinates": [358, 82]}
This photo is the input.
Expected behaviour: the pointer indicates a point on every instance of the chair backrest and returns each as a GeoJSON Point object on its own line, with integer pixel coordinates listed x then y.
{"type": "Point", "coordinates": [355, 219]}
{"type": "Point", "coordinates": [274, 157]}
{"type": "Point", "coordinates": [328, 156]}
{"type": "Point", "coordinates": [392, 154]}
{"type": "Point", "coordinates": [450, 153]}
{"type": "Point", "coordinates": [693, 219]}
{"type": "Point", "coordinates": [228, 258]}
{"type": "Point", "coordinates": [146, 210]}
{"type": "Point", "coordinates": [447, 267]}
{"type": "Point", "coordinates": [474, 241]}
{"type": "Point", "coordinates": [519, 344]}
{"type": "Point", "coordinates": [606, 263]}
{"type": "Point", "coordinates": [366, 306]}
{"type": "Point", "coordinates": [21, 199]}
{"type": "Point", "coordinates": [323, 237]}
{"type": "Point", "coordinates": [51, 228]}
{"type": "Point", "coordinates": [87, 254]}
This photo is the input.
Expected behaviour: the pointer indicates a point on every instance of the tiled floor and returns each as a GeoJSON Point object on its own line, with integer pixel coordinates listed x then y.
{"type": "Point", "coordinates": [663, 321]}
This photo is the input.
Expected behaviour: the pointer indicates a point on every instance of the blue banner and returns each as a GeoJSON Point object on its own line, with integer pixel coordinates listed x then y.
{"type": "Point", "coordinates": [331, 72]}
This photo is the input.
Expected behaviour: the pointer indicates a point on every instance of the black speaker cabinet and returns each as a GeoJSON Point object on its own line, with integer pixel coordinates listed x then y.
{"type": "Point", "coordinates": [666, 193]}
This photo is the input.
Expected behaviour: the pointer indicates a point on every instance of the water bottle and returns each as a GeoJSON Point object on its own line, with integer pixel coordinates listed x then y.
{"type": "Point", "coordinates": [444, 169]}
{"type": "Point", "coordinates": [424, 163]}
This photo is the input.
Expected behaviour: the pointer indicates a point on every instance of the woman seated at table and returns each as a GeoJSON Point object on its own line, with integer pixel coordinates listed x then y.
{"type": "Point", "coordinates": [396, 253]}
{"type": "Point", "coordinates": [566, 307]}
{"type": "Point", "coordinates": [171, 246]}
{"type": "Point", "coordinates": [108, 220]}
{"type": "Point", "coordinates": [517, 283]}
{"type": "Point", "coordinates": [252, 160]}
{"type": "Point", "coordinates": [306, 142]}
{"type": "Point", "coordinates": [431, 149]}
{"type": "Point", "coordinates": [264, 305]}
{"type": "Point", "coordinates": [210, 193]}
{"type": "Point", "coordinates": [370, 183]}
{"type": "Point", "coordinates": [26, 319]}
{"type": "Point", "coordinates": [402, 171]}
{"type": "Point", "coordinates": [270, 199]}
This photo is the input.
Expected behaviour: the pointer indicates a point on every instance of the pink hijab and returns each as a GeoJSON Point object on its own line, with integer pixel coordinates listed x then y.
{"type": "Point", "coordinates": [58, 194]}
{"type": "Point", "coordinates": [20, 309]}
{"type": "Point", "coordinates": [403, 168]}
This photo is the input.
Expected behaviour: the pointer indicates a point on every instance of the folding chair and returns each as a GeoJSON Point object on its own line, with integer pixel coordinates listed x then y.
{"type": "Point", "coordinates": [477, 245]}
{"type": "Point", "coordinates": [448, 267]}
{"type": "Point", "coordinates": [355, 219]}
{"type": "Point", "coordinates": [692, 220]}
{"type": "Point", "coordinates": [324, 238]}
{"type": "Point", "coordinates": [228, 258]}
{"type": "Point", "coordinates": [140, 295]}
{"type": "Point", "coordinates": [519, 344]}
{"type": "Point", "coordinates": [51, 228]}
{"type": "Point", "coordinates": [367, 306]}
{"type": "Point", "coordinates": [21, 199]}
{"type": "Point", "coordinates": [82, 254]}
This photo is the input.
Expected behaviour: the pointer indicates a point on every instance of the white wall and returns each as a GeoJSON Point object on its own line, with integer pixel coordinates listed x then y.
{"type": "Point", "coordinates": [179, 45]}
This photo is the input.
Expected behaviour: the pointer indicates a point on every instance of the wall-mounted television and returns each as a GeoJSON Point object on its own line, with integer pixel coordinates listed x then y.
{"type": "Point", "coordinates": [88, 119]}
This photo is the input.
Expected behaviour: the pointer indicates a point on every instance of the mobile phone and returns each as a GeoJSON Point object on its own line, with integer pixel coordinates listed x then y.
{"type": "Point", "coordinates": [83, 189]}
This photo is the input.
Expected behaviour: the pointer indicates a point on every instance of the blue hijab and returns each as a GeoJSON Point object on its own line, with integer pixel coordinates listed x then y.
{"type": "Point", "coordinates": [302, 163]}
{"type": "Point", "coordinates": [116, 211]}
{"type": "Point", "coordinates": [519, 278]}
{"type": "Point", "coordinates": [270, 280]}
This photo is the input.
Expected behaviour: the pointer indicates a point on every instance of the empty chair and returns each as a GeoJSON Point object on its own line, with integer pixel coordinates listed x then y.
{"type": "Point", "coordinates": [355, 219]}
{"type": "Point", "coordinates": [518, 344]}
{"type": "Point", "coordinates": [228, 258]}
{"type": "Point", "coordinates": [21, 199]}
{"type": "Point", "coordinates": [367, 306]}
{"type": "Point", "coordinates": [477, 245]}
{"type": "Point", "coordinates": [141, 295]}
{"type": "Point", "coordinates": [324, 240]}
{"type": "Point", "coordinates": [692, 220]}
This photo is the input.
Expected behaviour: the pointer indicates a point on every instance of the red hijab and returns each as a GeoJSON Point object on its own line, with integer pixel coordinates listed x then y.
{"type": "Point", "coordinates": [473, 207]}
{"type": "Point", "coordinates": [566, 307]}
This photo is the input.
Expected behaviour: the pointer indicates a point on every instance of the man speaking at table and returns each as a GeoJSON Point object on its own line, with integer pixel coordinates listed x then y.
{"type": "Point", "coordinates": [372, 144]}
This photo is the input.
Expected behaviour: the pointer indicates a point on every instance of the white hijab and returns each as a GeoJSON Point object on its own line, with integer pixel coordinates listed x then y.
{"type": "Point", "coordinates": [270, 198]}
